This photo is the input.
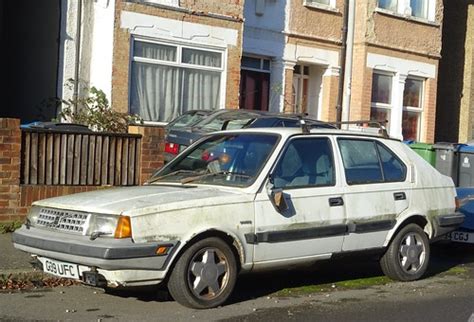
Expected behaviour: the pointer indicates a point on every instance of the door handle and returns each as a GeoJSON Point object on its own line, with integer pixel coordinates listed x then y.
{"type": "Point", "coordinates": [335, 202]}
{"type": "Point", "coordinates": [399, 196]}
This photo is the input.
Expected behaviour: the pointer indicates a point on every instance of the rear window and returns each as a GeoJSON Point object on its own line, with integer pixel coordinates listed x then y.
{"type": "Point", "coordinates": [368, 161]}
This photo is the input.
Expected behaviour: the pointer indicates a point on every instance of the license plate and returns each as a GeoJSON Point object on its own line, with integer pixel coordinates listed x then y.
{"type": "Point", "coordinates": [461, 237]}
{"type": "Point", "coordinates": [61, 269]}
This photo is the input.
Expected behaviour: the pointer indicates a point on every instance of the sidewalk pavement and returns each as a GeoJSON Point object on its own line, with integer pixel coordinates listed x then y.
{"type": "Point", "coordinates": [12, 260]}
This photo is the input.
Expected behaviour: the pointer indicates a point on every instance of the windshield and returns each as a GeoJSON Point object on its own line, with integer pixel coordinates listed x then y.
{"type": "Point", "coordinates": [224, 159]}
{"type": "Point", "coordinates": [186, 120]}
{"type": "Point", "coordinates": [218, 123]}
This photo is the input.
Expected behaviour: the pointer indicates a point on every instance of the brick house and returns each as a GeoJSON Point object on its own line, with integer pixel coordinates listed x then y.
{"type": "Point", "coordinates": [395, 59]}
{"type": "Point", "coordinates": [158, 58]}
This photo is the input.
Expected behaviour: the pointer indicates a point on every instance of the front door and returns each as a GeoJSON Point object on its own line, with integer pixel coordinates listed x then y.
{"type": "Point", "coordinates": [314, 223]}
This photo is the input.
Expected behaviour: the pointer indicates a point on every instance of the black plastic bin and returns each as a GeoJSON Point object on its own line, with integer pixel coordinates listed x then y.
{"type": "Point", "coordinates": [447, 159]}
{"type": "Point", "coordinates": [466, 166]}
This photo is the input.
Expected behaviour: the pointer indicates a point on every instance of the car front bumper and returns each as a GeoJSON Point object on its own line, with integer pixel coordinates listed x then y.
{"type": "Point", "coordinates": [120, 261]}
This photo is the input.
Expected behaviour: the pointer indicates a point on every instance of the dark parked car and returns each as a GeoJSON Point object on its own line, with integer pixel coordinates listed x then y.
{"type": "Point", "coordinates": [177, 139]}
{"type": "Point", "coordinates": [188, 119]}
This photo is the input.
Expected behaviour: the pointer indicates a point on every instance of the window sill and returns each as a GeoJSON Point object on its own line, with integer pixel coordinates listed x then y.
{"type": "Point", "coordinates": [172, 4]}
{"type": "Point", "coordinates": [397, 15]}
{"type": "Point", "coordinates": [413, 109]}
{"type": "Point", "coordinates": [322, 7]}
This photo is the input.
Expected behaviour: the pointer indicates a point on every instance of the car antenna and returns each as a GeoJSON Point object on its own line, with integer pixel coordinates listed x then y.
{"type": "Point", "coordinates": [304, 126]}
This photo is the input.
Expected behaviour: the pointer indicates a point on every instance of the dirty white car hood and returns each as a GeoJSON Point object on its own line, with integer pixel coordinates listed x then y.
{"type": "Point", "coordinates": [138, 200]}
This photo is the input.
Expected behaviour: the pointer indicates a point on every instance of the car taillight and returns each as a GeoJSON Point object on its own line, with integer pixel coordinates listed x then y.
{"type": "Point", "coordinates": [172, 148]}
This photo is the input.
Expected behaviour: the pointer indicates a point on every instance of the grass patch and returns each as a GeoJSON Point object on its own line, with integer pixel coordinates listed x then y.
{"type": "Point", "coordinates": [364, 282]}
{"type": "Point", "coordinates": [457, 270]}
{"type": "Point", "coordinates": [359, 283]}
{"type": "Point", "coordinates": [9, 227]}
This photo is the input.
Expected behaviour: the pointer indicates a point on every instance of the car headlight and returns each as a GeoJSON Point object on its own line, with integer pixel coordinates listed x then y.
{"type": "Point", "coordinates": [32, 216]}
{"type": "Point", "coordinates": [102, 225]}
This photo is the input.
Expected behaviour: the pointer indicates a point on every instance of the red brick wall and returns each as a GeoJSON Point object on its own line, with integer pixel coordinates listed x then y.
{"type": "Point", "coordinates": [429, 115]}
{"type": "Point", "coordinates": [10, 147]}
{"type": "Point", "coordinates": [153, 143]}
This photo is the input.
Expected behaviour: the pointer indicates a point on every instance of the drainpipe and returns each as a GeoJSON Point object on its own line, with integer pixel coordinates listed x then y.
{"type": "Point", "coordinates": [346, 99]}
{"type": "Point", "coordinates": [78, 54]}
{"type": "Point", "coordinates": [342, 63]}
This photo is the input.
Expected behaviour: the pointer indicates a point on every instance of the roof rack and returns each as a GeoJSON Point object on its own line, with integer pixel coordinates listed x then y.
{"type": "Point", "coordinates": [364, 125]}
{"type": "Point", "coordinates": [304, 127]}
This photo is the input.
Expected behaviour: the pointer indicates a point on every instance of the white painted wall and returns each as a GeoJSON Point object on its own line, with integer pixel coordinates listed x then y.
{"type": "Point", "coordinates": [177, 30]}
{"type": "Point", "coordinates": [67, 51]}
{"type": "Point", "coordinates": [96, 49]}
{"type": "Point", "coordinates": [102, 46]}
{"type": "Point", "coordinates": [315, 91]}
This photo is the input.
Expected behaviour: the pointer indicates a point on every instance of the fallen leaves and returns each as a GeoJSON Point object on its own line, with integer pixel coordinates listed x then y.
{"type": "Point", "coordinates": [33, 280]}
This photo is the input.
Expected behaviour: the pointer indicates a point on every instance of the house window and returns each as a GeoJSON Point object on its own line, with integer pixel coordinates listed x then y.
{"type": "Point", "coordinates": [419, 8]}
{"type": "Point", "coordinates": [381, 98]}
{"type": "Point", "coordinates": [391, 5]}
{"type": "Point", "coordinates": [412, 108]}
{"type": "Point", "coordinates": [167, 80]}
{"type": "Point", "coordinates": [416, 8]}
{"type": "Point", "coordinates": [254, 83]}
{"type": "Point", "coordinates": [324, 4]}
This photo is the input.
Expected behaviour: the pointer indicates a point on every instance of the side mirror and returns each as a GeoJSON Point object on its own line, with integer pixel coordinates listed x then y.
{"type": "Point", "coordinates": [276, 196]}
{"type": "Point", "coordinates": [278, 200]}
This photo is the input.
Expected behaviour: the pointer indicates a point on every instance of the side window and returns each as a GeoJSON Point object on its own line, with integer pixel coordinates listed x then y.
{"type": "Point", "coordinates": [393, 169]}
{"type": "Point", "coordinates": [367, 161]}
{"type": "Point", "coordinates": [306, 162]}
{"type": "Point", "coordinates": [361, 161]}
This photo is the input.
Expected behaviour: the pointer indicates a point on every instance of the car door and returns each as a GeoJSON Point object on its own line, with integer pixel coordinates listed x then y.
{"type": "Point", "coordinates": [314, 223]}
{"type": "Point", "coordinates": [376, 191]}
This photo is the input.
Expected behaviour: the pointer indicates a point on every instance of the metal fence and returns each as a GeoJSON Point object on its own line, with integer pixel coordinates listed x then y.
{"type": "Point", "coordinates": [79, 159]}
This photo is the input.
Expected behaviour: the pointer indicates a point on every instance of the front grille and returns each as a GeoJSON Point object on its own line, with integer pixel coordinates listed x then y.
{"type": "Point", "coordinates": [63, 220]}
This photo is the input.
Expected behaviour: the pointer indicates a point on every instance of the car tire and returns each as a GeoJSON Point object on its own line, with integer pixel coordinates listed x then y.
{"type": "Point", "coordinates": [204, 275]}
{"type": "Point", "coordinates": [407, 256]}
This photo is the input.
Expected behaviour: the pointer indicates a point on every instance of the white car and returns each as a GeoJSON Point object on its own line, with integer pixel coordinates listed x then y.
{"type": "Point", "coordinates": [248, 200]}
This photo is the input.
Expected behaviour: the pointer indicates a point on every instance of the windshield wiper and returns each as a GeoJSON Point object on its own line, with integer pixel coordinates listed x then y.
{"type": "Point", "coordinates": [171, 174]}
{"type": "Point", "coordinates": [212, 174]}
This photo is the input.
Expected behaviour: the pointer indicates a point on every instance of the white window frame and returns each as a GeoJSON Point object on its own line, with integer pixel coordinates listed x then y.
{"type": "Point", "coordinates": [404, 9]}
{"type": "Point", "coordinates": [315, 4]}
{"type": "Point", "coordinates": [171, 3]}
{"type": "Point", "coordinates": [177, 63]}
{"type": "Point", "coordinates": [389, 107]}
{"type": "Point", "coordinates": [419, 109]}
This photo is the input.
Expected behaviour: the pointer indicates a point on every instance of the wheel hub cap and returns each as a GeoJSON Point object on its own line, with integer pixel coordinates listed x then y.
{"type": "Point", "coordinates": [412, 253]}
{"type": "Point", "coordinates": [207, 274]}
